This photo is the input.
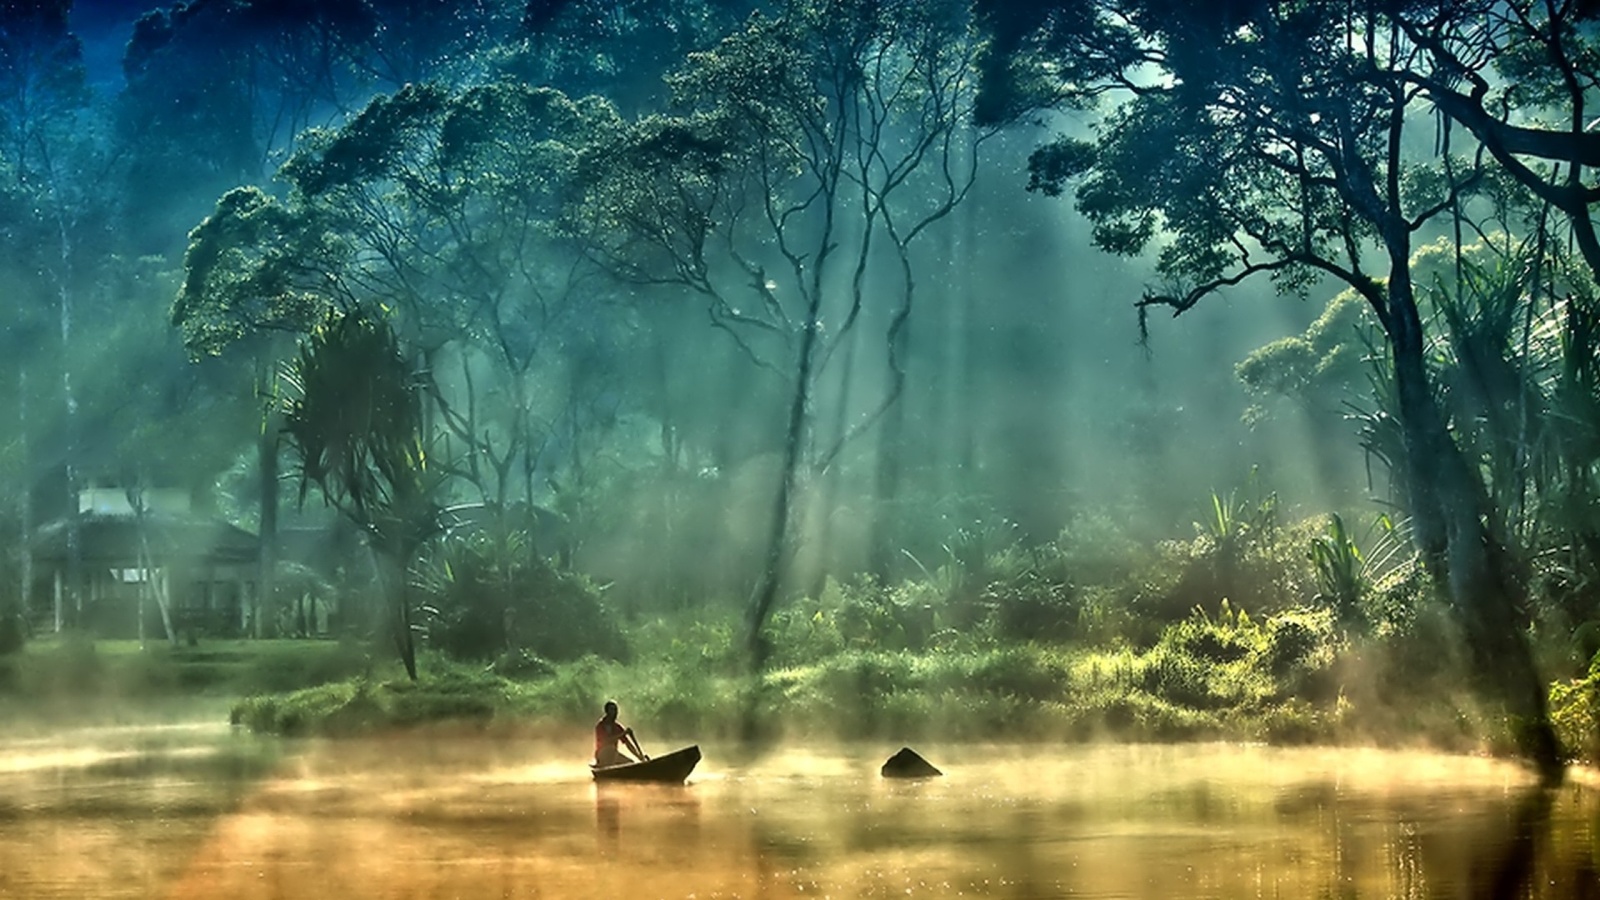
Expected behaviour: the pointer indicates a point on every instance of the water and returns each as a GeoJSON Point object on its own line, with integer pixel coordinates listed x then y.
{"type": "Point", "coordinates": [196, 811]}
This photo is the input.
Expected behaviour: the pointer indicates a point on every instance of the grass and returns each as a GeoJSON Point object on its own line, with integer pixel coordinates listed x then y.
{"type": "Point", "coordinates": [999, 693]}
{"type": "Point", "coordinates": [65, 667]}
{"type": "Point", "coordinates": [1287, 678]}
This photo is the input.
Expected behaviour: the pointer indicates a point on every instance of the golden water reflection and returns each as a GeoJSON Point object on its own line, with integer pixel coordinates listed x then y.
{"type": "Point", "coordinates": [204, 813]}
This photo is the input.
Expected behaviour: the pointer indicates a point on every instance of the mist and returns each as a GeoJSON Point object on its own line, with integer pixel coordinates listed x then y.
{"type": "Point", "coordinates": [810, 379]}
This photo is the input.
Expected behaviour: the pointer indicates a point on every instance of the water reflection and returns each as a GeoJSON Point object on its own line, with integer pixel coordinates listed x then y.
{"type": "Point", "coordinates": [207, 813]}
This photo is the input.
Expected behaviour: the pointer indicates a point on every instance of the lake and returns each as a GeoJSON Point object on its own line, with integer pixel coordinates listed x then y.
{"type": "Point", "coordinates": [195, 810]}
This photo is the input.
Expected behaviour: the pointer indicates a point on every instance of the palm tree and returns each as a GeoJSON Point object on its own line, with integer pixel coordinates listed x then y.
{"type": "Point", "coordinates": [353, 417]}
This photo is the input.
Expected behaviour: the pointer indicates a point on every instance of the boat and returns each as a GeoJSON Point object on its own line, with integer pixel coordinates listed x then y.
{"type": "Point", "coordinates": [669, 768]}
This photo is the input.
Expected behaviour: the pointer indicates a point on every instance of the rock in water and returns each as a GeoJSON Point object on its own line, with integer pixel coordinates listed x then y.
{"type": "Point", "coordinates": [907, 764]}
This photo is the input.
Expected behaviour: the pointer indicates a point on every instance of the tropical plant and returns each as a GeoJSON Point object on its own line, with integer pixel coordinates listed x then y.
{"type": "Point", "coordinates": [491, 594]}
{"type": "Point", "coordinates": [1347, 575]}
{"type": "Point", "coordinates": [1341, 569]}
{"type": "Point", "coordinates": [353, 418]}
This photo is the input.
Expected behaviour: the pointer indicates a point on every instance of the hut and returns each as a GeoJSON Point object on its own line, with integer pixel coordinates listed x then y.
{"type": "Point", "coordinates": [134, 561]}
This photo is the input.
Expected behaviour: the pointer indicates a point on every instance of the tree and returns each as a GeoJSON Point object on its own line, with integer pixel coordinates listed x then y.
{"type": "Point", "coordinates": [254, 281]}
{"type": "Point", "coordinates": [806, 155]}
{"type": "Point", "coordinates": [1267, 140]}
{"type": "Point", "coordinates": [1521, 77]}
{"type": "Point", "coordinates": [618, 48]}
{"type": "Point", "coordinates": [219, 89]}
{"type": "Point", "coordinates": [354, 420]}
{"type": "Point", "coordinates": [442, 207]}
{"type": "Point", "coordinates": [48, 180]}
{"type": "Point", "coordinates": [448, 207]}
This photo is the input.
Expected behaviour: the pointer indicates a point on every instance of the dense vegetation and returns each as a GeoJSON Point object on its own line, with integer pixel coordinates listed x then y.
{"type": "Point", "coordinates": [711, 355]}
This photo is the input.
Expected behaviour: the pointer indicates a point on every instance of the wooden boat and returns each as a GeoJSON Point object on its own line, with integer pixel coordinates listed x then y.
{"type": "Point", "coordinates": [670, 768]}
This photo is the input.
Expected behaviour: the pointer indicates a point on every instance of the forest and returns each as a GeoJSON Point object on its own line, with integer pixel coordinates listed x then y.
{"type": "Point", "coordinates": [1132, 369]}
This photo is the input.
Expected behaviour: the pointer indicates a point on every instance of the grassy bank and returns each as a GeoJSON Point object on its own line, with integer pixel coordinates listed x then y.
{"type": "Point", "coordinates": [1288, 678]}
{"type": "Point", "coordinates": [1292, 677]}
{"type": "Point", "coordinates": [71, 669]}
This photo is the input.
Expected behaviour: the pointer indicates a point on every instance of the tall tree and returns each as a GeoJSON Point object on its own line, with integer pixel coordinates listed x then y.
{"type": "Point", "coordinates": [442, 206]}
{"type": "Point", "coordinates": [807, 154]}
{"type": "Point", "coordinates": [619, 48]}
{"type": "Point", "coordinates": [1268, 140]}
{"type": "Point", "coordinates": [254, 281]}
{"type": "Point", "coordinates": [47, 163]}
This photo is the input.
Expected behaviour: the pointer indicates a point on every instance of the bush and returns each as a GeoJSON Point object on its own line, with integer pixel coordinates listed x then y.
{"type": "Point", "coordinates": [362, 705]}
{"type": "Point", "coordinates": [1033, 607]}
{"type": "Point", "coordinates": [1575, 713]}
{"type": "Point", "coordinates": [1022, 671]}
{"type": "Point", "coordinates": [1231, 636]}
{"type": "Point", "coordinates": [490, 594]}
{"type": "Point", "coordinates": [1298, 639]}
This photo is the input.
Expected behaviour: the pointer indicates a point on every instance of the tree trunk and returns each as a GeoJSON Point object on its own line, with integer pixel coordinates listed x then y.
{"type": "Point", "coordinates": [887, 479]}
{"type": "Point", "coordinates": [778, 535]}
{"type": "Point", "coordinates": [392, 566]}
{"type": "Point", "coordinates": [25, 500]}
{"type": "Point", "coordinates": [148, 582]}
{"type": "Point", "coordinates": [267, 539]}
{"type": "Point", "coordinates": [1448, 508]}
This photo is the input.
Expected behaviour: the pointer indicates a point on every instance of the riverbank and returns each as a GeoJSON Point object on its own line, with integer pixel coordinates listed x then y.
{"type": "Point", "coordinates": [73, 669]}
{"type": "Point", "coordinates": [1286, 679]}
{"type": "Point", "coordinates": [1183, 689]}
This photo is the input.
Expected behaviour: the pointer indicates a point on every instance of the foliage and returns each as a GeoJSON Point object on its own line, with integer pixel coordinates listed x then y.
{"type": "Point", "coordinates": [1347, 577]}
{"type": "Point", "coordinates": [353, 418]}
{"type": "Point", "coordinates": [801, 152]}
{"type": "Point", "coordinates": [452, 204]}
{"type": "Point", "coordinates": [1575, 710]}
{"type": "Point", "coordinates": [1271, 146]}
{"type": "Point", "coordinates": [491, 595]}
{"type": "Point", "coordinates": [363, 705]}
{"type": "Point", "coordinates": [622, 49]}
{"type": "Point", "coordinates": [1316, 369]}
{"type": "Point", "coordinates": [1239, 520]}
{"type": "Point", "coordinates": [216, 89]}
{"type": "Point", "coordinates": [1340, 569]}
{"type": "Point", "coordinates": [252, 267]}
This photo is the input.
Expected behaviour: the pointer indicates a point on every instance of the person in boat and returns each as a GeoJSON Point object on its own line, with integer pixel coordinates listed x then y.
{"type": "Point", "coordinates": [608, 732]}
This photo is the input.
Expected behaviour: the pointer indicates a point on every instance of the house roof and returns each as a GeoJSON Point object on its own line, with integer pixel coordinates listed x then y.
{"type": "Point", "coordinates": [116, 540]}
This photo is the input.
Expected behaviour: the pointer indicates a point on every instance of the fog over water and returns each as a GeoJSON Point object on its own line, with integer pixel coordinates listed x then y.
{"type": "Point", "coordinates": [194, 811]}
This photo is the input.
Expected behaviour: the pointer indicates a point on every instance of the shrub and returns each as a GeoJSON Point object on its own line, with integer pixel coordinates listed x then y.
{"type": "Point", "coordinates": [1231, 636]}
{"type": "Point", "coordinates": [1033, 606]}
{"type": "Point", "coordinates": [1178, 678]}
{"type": "Point", "coordinates": [1298, 638]}
{"type": "Point", "coordinates": [1023, 671]}
{"type": "Point", "coordinates": [363, 705]}
{"type": "Point", "coordinates": [489, 594]}
{"type": "Point", "coordinates": [1575, 713]}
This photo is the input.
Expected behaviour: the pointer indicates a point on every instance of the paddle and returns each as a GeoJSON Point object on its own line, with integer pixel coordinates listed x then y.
{"type": "Point", "coordinates": [643, 756]}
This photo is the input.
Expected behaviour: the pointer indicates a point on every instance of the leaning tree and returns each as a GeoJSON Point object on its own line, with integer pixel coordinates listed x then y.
{"type": "Point", "coordinates": [1278, 141]}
